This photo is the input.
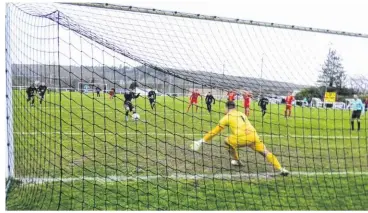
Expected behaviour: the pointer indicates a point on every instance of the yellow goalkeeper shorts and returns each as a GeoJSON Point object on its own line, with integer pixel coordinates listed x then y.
{"type": "Point", "coordinates": [237, 141]}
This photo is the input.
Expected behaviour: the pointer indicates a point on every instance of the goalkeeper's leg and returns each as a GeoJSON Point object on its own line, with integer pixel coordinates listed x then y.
{"type": "Point", "coordinates": [232, 144]}
{"type": "Point", "coordinates": [233, 151]}
{"type": "Point", "coordinates": [259, 147]}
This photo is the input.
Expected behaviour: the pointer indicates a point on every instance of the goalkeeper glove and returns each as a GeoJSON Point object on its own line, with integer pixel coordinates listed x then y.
{"type": "Point", "coordinates": [196, 145]}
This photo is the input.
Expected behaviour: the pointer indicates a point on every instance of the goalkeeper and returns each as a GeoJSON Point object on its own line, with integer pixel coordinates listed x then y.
{"type": "Point", "coordinates": [243, 134]}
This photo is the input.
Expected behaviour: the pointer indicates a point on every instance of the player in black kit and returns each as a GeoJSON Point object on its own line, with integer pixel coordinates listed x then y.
{"type": "Point", "coordinates": [209, 99]}
{"type": "Point", "coordinates": [98, 90]}
{"type": "Point", "coordinates": [41, 91]}
{"type": "Point", "coordinates": [263, 104]}
{"type": "Point", "coordinates": [128, 105]}
{"type": "Point", "coordinates": [31, 93]}
{"type": "Point", "coordinates": [152, 98]}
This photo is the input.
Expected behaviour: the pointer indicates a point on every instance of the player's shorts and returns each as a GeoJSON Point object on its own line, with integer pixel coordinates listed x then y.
{"type": "Point", "coordinates": [194, 101]}
{"type": "Point", "coordinates": [246, 106]}
{"type": "Point", "coordinates": [288, 106]}
{"type": "Point", "coordinates": [356, 114]}
{"type": "Point", "coordinates": [151, 100]}
{"type": "Point", "coordinates": [245, 140]}
{"type": "Point", "coordinates": [128, 106]}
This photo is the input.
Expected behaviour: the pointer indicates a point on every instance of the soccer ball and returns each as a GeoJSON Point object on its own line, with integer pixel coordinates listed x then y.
{"type": "Point", "coordinates": [135, 116]}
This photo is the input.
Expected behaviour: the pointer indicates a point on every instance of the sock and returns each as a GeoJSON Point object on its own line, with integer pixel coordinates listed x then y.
{"type": "Point", "coordinates": [352, 125]}
{"type": "Point", "coordinates": [358, 125]}
{"type": "Point", "coordinates": [263, 113]}
{"type": "Point", "coordinates": [273, 160]}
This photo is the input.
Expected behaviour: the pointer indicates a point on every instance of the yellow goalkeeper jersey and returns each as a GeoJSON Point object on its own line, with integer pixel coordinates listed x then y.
{"type": "Point", "coordinates": [238, 123]}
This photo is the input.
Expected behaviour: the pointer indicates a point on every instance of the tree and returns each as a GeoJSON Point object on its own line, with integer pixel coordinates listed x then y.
{"type": "Point", "coordinates": [332, 73]}
{"type": "Point", "coordinates": [310, 92]}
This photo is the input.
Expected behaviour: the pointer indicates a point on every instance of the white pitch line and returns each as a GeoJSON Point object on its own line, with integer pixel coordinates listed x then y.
{"type": "Point", "coordinates": [183, 176]}
{"type": "Point", "coordinates": [185, 134]}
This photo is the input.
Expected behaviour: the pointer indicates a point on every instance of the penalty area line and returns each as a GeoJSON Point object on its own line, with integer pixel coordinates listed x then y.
{"type": "Point", "coordinates": [179, 176]}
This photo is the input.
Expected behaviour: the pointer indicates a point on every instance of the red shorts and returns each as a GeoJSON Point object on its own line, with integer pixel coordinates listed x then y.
{"type": "Point", "coordinates": [194, 101]}
{"type": "Point", "coordinates": [288, 107]}
{"type": "Point", "coordinates": [246, 106]}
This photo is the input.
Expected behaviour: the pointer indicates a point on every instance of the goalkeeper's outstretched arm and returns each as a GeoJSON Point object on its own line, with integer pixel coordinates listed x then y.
{"type": "Point", "coordinates": [207, 138]}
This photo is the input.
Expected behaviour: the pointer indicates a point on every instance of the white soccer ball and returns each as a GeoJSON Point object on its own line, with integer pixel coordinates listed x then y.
{"type": "Point", "coordinates": [135, 116]}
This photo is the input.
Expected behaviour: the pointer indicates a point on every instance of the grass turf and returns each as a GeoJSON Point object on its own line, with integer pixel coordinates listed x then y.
{"type": "Point", "coordinates": [85, 137]}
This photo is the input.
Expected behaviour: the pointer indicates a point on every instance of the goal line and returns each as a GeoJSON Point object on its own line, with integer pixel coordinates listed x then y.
{"type": "Point", "coordinates": [185, 134]}
{"type": "Point", "coordinates": [181, 176]}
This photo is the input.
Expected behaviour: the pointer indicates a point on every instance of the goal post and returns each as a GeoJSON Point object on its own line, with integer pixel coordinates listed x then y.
{"type": "Point", "coordinates": [9, 103]}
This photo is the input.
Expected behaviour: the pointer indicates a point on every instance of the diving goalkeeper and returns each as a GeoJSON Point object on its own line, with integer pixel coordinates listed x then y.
{"type": "Point", "coordinates": [242, 134]}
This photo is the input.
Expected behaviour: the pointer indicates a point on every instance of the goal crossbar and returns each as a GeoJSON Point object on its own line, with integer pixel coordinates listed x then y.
{"type": "Point", "coordinates": [218, 18]}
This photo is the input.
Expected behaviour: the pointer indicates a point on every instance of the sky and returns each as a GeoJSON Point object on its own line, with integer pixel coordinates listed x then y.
{"type": "Point", "coordinates": [191, 44]}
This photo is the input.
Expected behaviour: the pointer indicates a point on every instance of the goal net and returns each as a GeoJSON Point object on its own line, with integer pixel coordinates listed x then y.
{"type": "Point", "coordinates": [71, 151]}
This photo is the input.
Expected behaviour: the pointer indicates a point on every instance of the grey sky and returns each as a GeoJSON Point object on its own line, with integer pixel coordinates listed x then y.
{"type": "Point", "coordinates": [180, 43]}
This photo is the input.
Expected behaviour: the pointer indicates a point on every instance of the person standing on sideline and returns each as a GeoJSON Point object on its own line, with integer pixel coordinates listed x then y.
{"type": "Point", "coordinates": [366, 104]}
{"type": "Point", "coordinates": [358, 110]}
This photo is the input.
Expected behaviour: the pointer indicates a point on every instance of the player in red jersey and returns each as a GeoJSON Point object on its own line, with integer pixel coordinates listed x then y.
{"type": "Point", "coordinates": [231, 95]}
{"type": "Point", "coordinates": [112, 93]}
{"type": "Point", "coordinates": [247, 99]}
{"type": "Point", "coordinates": [289, 101]}
{"type": "Point", "coordinates": [194, 100]}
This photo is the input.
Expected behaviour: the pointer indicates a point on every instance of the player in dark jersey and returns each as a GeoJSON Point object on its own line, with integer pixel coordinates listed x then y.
{"type": "Point", "coordinates": [152, 98]}
{"type": "Point", "coordinates": [98, 90]}
{"type": "Point", "coordinates": [31, 93]}
{"type": "Point", "coordinates": [41, 91]}
{"type": "Point", "coordinates": [209, 99]}
{"type": "Point", "coordinates": [128, 105]}
{"type": "Point", "coordinates": [263, 104]}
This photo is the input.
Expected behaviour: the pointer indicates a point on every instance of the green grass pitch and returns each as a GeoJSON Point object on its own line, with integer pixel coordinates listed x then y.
{"type": "Point", "coordinates": [107, 163]}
